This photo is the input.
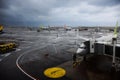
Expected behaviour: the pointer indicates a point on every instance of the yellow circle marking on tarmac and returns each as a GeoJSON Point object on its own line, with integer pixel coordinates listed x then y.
{"type": "Point", "coordinates": [54, 72]}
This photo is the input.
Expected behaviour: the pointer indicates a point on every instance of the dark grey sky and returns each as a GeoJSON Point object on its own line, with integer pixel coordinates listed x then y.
{"type": "Point", "coordinates": [59, 12]}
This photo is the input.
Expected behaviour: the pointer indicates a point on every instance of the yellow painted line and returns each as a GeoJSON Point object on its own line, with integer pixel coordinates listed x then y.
{"type": "Point", "coordinates": [54, 72]}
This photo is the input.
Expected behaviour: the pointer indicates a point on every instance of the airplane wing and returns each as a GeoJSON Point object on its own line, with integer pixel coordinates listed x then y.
{"type": "Point", "coordinates": [107, 37]}
{"type": "Point", "coordinates": [81, 37]}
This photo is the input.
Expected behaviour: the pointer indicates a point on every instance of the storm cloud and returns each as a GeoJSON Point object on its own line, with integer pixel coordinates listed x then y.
{"type": "Point", "coordinates": [59, 12]}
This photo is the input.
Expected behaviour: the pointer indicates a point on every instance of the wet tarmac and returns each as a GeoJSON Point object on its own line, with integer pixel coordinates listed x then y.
{"type": "Point", "coordinates": [40, 50]}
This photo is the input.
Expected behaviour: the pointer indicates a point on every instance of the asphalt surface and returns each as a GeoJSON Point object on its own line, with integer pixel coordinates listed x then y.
{"type": "Point", "coordinates": [30, 44]}
{"type": "Point", "coordinates": [38, 51]}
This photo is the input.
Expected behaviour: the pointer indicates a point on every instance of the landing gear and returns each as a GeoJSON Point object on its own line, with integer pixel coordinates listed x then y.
{"type": "Point", "coordinates": [74, 60]}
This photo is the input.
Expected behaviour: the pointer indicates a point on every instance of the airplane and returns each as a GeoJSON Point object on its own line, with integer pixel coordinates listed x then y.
{"type": "Point", "coordinates": [67, 28]}
{"type": "Point", "coordinates": [90, 46]}
{"type": "Point", "coordinates": [41, 28]}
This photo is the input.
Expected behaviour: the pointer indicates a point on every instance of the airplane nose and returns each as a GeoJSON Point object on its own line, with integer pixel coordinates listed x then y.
{"type": "Point", "coordinates": [79, 50]}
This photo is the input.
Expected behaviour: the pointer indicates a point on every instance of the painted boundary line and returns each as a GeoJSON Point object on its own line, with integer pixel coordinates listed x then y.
{"type": "Point", "coordinates": [17, 63]}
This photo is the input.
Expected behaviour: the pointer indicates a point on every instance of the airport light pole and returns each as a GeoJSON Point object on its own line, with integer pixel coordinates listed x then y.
{"type": "Point", "coordinates": [114, 51]}
{"type": "Point", "coordinates": [113, 69]}
{"type": "Point", "coordinates": [114, 39]}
